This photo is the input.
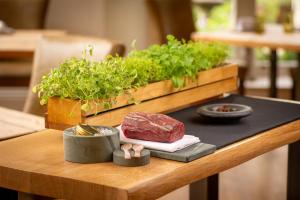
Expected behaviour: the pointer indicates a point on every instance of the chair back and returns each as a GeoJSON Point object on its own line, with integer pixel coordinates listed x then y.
{"type": "Point", "coordinates": [53, 50]}
{"type": "Point", "coordinates": [29, 14]}
{"type": "Point", "coordinates": [172, 17]}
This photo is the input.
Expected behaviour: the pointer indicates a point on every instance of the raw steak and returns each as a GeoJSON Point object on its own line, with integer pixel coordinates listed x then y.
{"type": "Point", "coordinates": [152, 127]}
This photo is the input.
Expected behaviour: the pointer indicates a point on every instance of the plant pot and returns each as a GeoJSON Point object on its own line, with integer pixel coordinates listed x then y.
{"type": "Point", "coordinates": [158, 97]}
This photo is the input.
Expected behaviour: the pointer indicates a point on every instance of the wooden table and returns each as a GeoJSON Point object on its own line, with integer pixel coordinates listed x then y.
{"type": "Point", "coordinates": [15, 123]}
{"type": "Point", "coordinates": [22, 43]}
{"type": "Point", "coordinates": [18, 46]}
{"type": "Point", "coordinates": [35, 164]}
{"type": "Point", "coordinates": [271, 40]}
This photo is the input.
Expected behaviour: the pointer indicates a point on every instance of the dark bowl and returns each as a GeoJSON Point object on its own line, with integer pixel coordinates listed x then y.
{"type": "Point", "coordinates": [224, 112]}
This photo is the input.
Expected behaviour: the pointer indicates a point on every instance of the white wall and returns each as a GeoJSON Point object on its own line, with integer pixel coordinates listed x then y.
{"type": "Point", "coordinates": [122, 20]}
{"type": "Point", "coordinates": [127, 21]}
{"type": "Point", "coordinates": [78, 16]}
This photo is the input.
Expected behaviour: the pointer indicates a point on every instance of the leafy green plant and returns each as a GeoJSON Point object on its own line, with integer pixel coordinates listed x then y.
{"type": "Point", "coordinates": [179, 58]}
{"type": "Point", "coordinates": [85, 80]}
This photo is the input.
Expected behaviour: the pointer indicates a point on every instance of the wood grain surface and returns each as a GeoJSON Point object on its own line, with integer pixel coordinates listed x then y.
{"type": "Point", "coordinates": [290, 41]}
{"type": "Point", "coordinates": [15, 123]}
{"type": "Point", "coordinates": [66, 115]}
{"type": "Point", "coordinates": [166, 87]}
{"type": "Point", "coordinates": [34, 164]}
{"type": "Point", "coordinates": [166, 103]}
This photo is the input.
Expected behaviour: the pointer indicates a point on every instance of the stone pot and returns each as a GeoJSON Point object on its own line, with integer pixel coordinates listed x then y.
{"type": "Point", "coordinates": [90, 149]}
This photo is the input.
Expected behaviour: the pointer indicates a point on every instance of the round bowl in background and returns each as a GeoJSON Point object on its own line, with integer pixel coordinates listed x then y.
{"type": "Point", "coordinates": [224, 111]}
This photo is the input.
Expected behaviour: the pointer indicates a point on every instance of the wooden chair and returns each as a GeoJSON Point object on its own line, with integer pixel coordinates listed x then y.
{"type": "Point", "coordinates": [29, 14]}
{"type": "Point", "coordinates": [172, 17]}
{"type": "Point", "coordinates": [15, 71]}
{"type": "Point", "coordinates": [51, 51]}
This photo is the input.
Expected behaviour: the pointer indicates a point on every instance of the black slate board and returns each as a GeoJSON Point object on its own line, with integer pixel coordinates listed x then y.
{"type": "Point", "coordinates": [187, 154]}
{"type": "Point", "coordinates": [266, 115]}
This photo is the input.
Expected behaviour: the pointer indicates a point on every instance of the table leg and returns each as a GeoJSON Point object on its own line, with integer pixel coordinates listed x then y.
{"type": "Point", "coordinates": [205, 189]}
{"type": "Point", "coordinates": [273, 73]}
{"type": "Point", "coordinates": [213, 187]}
{"type": "Point", "coordinates": [249, 52]}
{"type": "Point", "coordinates": [293, 182]}
{"type": "Point", "coordinates": [297, 92]}
{"type": "Point", "coordinates": [198, 190]}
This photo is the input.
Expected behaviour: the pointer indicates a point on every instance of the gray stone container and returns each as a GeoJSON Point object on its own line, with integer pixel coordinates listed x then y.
{"type": "Point", "coordinates": [133, 162]}
{"type": "Point", "coordinates": [90, 149]}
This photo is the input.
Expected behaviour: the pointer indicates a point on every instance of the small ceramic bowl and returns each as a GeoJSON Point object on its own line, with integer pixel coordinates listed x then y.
{"type": "Point", "coordinates": [224, 111]}
{"type": "Point", "coordinates": [118, 158]}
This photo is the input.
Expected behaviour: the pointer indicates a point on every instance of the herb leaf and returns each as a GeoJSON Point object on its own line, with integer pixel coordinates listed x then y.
{"type": "Point", "coordinates": [82, 79]}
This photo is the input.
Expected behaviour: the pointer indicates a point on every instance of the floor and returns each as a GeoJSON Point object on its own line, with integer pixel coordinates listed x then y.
{"type": "Point", "coordinates": [263, 178]}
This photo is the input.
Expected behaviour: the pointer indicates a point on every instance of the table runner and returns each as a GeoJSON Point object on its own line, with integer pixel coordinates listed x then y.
{"type": "Point", "coordinates": [267, 114]}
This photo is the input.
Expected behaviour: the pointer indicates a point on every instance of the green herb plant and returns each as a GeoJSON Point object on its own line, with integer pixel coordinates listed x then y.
{"type": "Point", "coordinates": [102, 81]}
{"type": "Point", "coordinates": [181, 59]}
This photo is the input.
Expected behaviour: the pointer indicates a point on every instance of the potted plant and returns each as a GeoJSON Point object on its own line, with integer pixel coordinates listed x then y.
{"type": "Point", "coordinates": [157, 79]}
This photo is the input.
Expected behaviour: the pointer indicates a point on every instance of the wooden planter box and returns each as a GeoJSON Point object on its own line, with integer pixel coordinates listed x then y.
{"type": "Point", "coordinates": [159, 97]}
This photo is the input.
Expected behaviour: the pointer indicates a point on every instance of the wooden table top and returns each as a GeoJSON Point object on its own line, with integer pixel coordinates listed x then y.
{"type": "Point", "coordinates": [35, 164]}
{"type": "Point", "coordinates": [15, 123]}
{"type": "Point", "coordinates": [23, 42]}
{"type": "Point", "coordinates": [288, 41]}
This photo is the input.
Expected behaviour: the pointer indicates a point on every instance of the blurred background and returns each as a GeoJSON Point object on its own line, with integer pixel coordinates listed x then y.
{"type": "Point", "coordinates": [147, 22]}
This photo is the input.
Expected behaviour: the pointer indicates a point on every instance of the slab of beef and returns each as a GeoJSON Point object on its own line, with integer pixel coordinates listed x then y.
{"type": "Point", "coordinates": [152, 127]}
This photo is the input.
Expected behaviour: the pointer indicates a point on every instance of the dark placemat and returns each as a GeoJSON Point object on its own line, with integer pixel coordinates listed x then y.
{"type": "Point", "coordinates": [266, 115]}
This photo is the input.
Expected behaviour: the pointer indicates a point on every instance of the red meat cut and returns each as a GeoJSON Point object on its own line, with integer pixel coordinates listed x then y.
{"type": "Point", "coordinates": [152, 127]}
